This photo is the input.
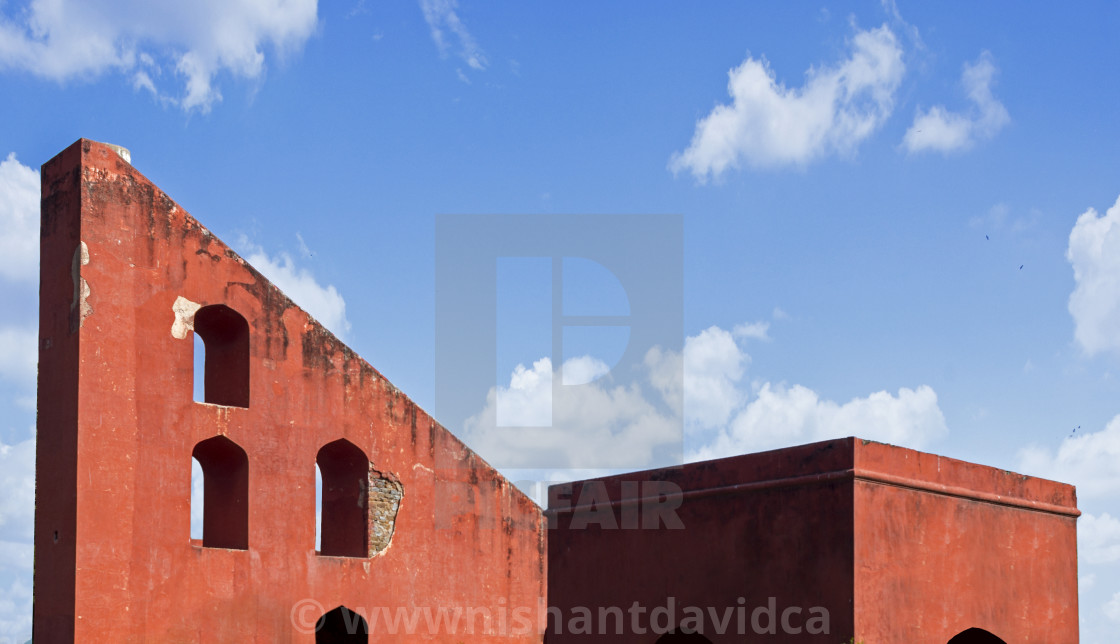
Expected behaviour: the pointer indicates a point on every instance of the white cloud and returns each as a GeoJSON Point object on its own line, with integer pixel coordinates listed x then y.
{"type": "Point", "coordinates": [588, 426]}
{"type": "Point", "coordinates": [1094, 252]}
{"type": "Point", "coordinates": [19, 355]}
{"type": "Point", "coordinates": [15, 607]}
{"type": "Point", "coordinates": [780, 416]}
{"type": "Point", "coordinates": [707, 379]}
{"type": "Point", "coordinates": [66, 40]}
{"type": "Point", "coordinates": [442, 18]}
{"type": "Point", "coordinates": [1098, 539]}
{"type": "Point", "coordinates": [1112, 608]}
{"type": "Point", "coordinates": [17, 504]}
{"type": "Point", "coordinates": [324, 303]}
{"type": "Point", "coordinates": [17, 528]}
{"type": "Point", "coordinates": [768, 124]}
{"type": "Point", "coordinates": [583, 369]}
{"type": "Point", "coordinates": [1090, 461]}
{"type": "Point", "coordinates": [19, 220]}
{"type": "Point", "coordinates": [1086, 582]}
{"type": "Point", "coordinates": [527, 401]}
{"type": "Point", "coordinates": [940, 130]}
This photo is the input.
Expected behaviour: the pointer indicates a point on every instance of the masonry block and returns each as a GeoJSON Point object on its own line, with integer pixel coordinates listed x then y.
{"type": "Point", "coordinates": [894, 546]}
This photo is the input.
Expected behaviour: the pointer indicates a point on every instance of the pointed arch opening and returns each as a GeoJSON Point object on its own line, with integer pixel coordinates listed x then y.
{"type": "Point", "coordinates": [344, 514]}
{"type": "Point", "coordinates": [341, 626]}
{"type": "Point", "coordinates": [975, 636]}
{"type": "Point", "coordinates": [225, 359]}
{"type": "Point", "coordinates": [225, 493]}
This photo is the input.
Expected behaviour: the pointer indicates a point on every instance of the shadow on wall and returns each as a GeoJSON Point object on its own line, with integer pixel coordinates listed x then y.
{"type": "Point", "coordinates": [683, 638]}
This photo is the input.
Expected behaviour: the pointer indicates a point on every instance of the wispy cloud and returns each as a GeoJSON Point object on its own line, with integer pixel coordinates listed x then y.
{"type": "Point", "coordinates": [768, 124]}
{"type": "Point", "coordinates": [449, 33]}
{"type": "Point", "coordinates": [911, 31]}
{"type": "Point", "coordinates": [939, 130]}
{"type": "Point", "coordinates": [65, 40]}
{"type": "Point", "coordinates": [1000, 218]}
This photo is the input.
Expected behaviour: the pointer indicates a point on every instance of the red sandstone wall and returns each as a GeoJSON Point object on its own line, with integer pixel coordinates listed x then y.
{"type": "Point", "coordinates": [773, 524]}
{"type": "Point", "coordinates": [932, 563]}
{"type": "Point", "coordinates": [901, 547]}
{"type": "Point", "coordinates": [117, 425]}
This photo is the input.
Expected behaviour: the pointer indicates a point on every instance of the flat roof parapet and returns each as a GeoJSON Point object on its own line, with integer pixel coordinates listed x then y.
{"type": "Point", "coordinates": [845, 459]}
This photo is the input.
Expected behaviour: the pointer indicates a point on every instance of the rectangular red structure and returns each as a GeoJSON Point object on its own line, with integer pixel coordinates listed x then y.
{"type": "Point", "coordinates": [817, 543]}
{"type": "Point", "coordinates": [413, 520]}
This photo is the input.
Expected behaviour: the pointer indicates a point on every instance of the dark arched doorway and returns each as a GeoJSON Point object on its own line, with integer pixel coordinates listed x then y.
{"type": "Point", "coordinates": [975, 636]}
{"type": "Point", "coordinates": [341, 626]}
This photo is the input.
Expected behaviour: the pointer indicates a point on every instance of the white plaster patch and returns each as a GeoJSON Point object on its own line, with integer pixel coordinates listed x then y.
{"type": "Point", "coordinates": [122, 151]}
{"type": "Point", "coordinates": [87, 310]}
{"type": "Point", "coordinates": [81, 287]}
{"type": "Point", "coordinates": [184, 317]}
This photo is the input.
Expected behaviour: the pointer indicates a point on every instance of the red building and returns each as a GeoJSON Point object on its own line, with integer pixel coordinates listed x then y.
{"type": "Point", "coordinates": [411, 519]}
{"type": "Point", "coordinates": [421, 539]}
{"type": "Point", "coordinates": [816, 543]}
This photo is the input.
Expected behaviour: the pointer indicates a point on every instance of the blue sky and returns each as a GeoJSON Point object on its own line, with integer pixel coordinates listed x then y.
{"type": "Point", "coordinates": [899, 222]}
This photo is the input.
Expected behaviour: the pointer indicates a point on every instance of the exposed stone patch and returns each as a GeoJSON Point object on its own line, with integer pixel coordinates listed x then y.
{"type": "Point", "coordinates": [385, 493]}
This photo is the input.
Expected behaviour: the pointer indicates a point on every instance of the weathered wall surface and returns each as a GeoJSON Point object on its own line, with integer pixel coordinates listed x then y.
{"type": "Point", "coordinates": [771, 525]}
{"type": "Point", "coordinates": [118, 423]}
{"type": "Point", "coordinates": [943, 546]}
{"type": "Point", "coordinates": [897, 545]}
